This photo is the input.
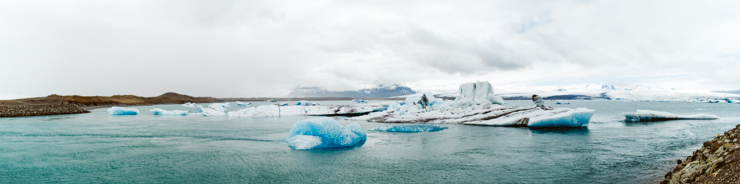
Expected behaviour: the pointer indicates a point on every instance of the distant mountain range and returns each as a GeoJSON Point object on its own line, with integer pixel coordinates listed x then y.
{"type": "Point", "coordinates": [380, 91]}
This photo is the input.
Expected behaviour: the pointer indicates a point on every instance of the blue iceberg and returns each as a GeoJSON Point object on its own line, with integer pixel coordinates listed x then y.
{"type": "Point", "coordinates": [409, 128]}
{"type": "Point", "coordinates": [122, 111]}
{"type": "Point", "coordinates": [158, 111]}
{"type": "Point", "coordinates": [324, 133]}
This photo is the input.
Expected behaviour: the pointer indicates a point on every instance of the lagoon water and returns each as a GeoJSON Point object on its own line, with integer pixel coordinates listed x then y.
{"type": "Point", "coordinates": [99, 148]}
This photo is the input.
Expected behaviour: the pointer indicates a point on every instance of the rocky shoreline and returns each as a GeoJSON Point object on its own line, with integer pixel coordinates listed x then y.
{"type": "Point", "coordinates": [40, 110]}
{"type": "Point", "coordinates": [718, 161]}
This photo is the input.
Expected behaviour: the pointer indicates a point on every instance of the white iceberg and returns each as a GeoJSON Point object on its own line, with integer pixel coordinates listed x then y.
{"type": "Point", "coordinates": [478, 106]}
{"type": "Point", "coordinates": [215, 109]}
{"type": "Point", "coordinates": [562, 102]}
{"type": "Point", "coordinates": [243, 104]}
{"type": "Point", "coordinates": [328, 110]}
{"type": "Point", "coordinates": [158, 111]}
{"type": "Point", "coordinates": [189, 105]}
{"type": "Point", "coordinates": [493, 115]}
{"type": "Point", "coordinates": [476, 94]}
{"type": "Point", "coordinates": [122, 111]}
{"type": "Point", "coordinates": [409, 128]}
{"type": "Point", "coordinates": [324, 133]}
{"type": "Point", "coordinates": [648, 115]}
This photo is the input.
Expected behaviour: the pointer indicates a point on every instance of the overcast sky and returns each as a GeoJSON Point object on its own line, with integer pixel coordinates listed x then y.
{"type": "Point", "coordinates": [266, 48]}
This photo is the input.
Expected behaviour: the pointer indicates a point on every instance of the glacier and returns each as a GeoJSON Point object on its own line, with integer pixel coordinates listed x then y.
{"type": "Point", "coordinates": [158, 111]}
{"type": "Point", "coordinates": [648, 115]}
{"type": "Point", "coordinates": [122, 111]}
{"type": "Point", "coordinates": [324, 110]}
{"type": "Point", "coordinates": [477, 105]}
{"type": "Point", "coordinates": [409, 128]}
{"type": "Point", "coordinates": [324, 133]}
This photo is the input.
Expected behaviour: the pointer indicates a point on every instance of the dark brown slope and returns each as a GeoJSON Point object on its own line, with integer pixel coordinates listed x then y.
{"type": "Point", "coordinates": [718, 161]}
{"type": "Point", "coordinates": [75, 104]}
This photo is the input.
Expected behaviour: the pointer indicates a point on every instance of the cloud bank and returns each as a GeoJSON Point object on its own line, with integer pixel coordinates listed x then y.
{"type": "Point", "coordinates": [256, 48]}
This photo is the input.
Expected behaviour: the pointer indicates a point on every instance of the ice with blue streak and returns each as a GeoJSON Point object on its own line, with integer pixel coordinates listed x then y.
{"type": "Point", "coordinates": [572, 119]}
{"type": "Point", "coordinates": [324, 133]}
{"type": "Point", "coordinates": [158, 111]}
{"type": "Point", "coordinates": [122, 111]}
{"type": "Point", "coordinates": [409, 128]}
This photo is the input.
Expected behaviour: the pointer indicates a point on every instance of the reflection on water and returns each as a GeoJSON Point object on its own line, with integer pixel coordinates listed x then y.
{"type": "Point", "coordinates": [99, 148]}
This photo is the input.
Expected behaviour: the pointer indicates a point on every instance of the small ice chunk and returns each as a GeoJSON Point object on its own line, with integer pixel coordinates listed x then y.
{"type": "Point", "coordinates": [303, 103]}
{"type": "Point", "coordinates": [189, 105]}
{"type": "Point", "coordinates": [122, 111]}
{"type": "Point", "coordinates": [324, 133]}
{"type": "Point", "coordinates": [242, 104]}
{"type": "Point", "coordinates": [158, 111]}
{"type": "Point", "coordinates": [409, 128]}
{"type": "Point", "coordinates": [215, 109]}
{"type": "Point", "coordinates": [648, 115]}
{"type": "Point", "coordinates": [359, 101]}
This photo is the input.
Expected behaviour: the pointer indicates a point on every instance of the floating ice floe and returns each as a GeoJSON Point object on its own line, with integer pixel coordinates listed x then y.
{"type": "Point", "coordinates": [304, 103]}
{"type": "Point", "coordinates": [359, 101]}
{"type": "Point", "coordinates": [409, 128]}
{"type": "Point", "coordinates": [478, 106]}
{"type": "Point", "coordinates": [328, 110]}
{"type": "Point", "coordinates": [189, 105]}
{"type": "Point", "coordinates": [158, 111]}
{"type": "Point", "coordinates": [215, 109]}
{"type": "Point", "coordinates": [243, 104]}
{"type": "Point", "coordinates": [648, 115]}
{"type": "Point", "coordinates": [122, 111]}
{"type": "Point", "coordinates": [562, 102]}
{"type": "Point", "coordinates": [324, 133]}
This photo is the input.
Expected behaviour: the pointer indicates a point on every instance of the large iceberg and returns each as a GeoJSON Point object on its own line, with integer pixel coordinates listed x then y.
{"type": "Point", "coordinates": [324, 133]}
{"type": "Point", "coordinates": [493, 115]}
{"type": "Point", "coordinates": [478, 106]}
{"type": "Point", "coordinates": [158, 111]}
{"type": "Point", "coordinates": [328, 110]}
{"type": "Point", "coordinates": [648, 115]}
{"type": "Point", "coordinates": [476, 94]}
{"type": "Point", "coordinates": [409, 128]}
{"type": "Point", "coordinates": [123, 111]}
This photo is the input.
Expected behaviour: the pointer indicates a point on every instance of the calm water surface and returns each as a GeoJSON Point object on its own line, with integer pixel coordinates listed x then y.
{"type": "Point", "coordinates": [98, 148]}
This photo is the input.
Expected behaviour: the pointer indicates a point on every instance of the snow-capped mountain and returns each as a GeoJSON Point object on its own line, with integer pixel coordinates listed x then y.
{"type": "Point", "coordinates": [380, 91]}
{"type": "Point", "coordinates": [600, 87]}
